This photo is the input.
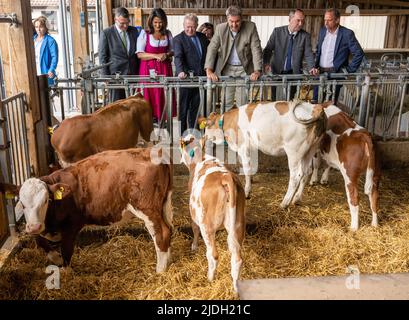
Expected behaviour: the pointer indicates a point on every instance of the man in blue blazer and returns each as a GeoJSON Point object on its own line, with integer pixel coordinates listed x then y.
{"type": "Point", "coordinates": [335, 44]}
{"type": "Point", "coordinates": [117, 44]}
{"type": "Point", "coordinates": [190, 49]}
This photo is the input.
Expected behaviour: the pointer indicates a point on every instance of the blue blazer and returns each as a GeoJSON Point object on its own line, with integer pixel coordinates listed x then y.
{"type": "Point", "coordinates": [345, 44]}
{"type": "Point", "coordinates": [48, 55]}
{"type": "Point", "coordinates": [186, 56]}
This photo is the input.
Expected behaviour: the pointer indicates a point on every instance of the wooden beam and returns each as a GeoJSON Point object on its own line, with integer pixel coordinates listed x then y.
{"type": "Point", "coordinates": [20, 75]}
{"type": "Point", "coordinates": [272, 12]}
{"type": "Point", "coordinates": [403, 4]}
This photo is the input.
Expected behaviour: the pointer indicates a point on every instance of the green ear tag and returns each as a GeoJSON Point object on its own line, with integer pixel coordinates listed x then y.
{"type": "Point", "coordinates": [220, 123]}
{"type": "Point", "coordinates": [192, 153]}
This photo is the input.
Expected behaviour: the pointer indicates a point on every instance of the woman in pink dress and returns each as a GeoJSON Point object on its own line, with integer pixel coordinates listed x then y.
{"type": "Point", "coordinates": [154, 49]}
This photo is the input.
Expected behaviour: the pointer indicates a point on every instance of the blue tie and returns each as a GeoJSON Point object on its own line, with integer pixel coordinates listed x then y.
{"type": "Point", "coordinates": [288, 65]}
{"type": "Point", "coordinates": [197, 46]}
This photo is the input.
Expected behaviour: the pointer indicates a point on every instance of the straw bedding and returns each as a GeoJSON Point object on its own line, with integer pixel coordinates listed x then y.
{"type": "Point", "coordinates": [312, 239]}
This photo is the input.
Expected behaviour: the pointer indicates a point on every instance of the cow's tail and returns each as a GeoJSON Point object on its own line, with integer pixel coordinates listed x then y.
{"type": "Point", "coordinates": [167, 205]}
{"type": "Point", "coordinates": [373, 172]}
{"type": "Point", "coordinates": [318, 119]}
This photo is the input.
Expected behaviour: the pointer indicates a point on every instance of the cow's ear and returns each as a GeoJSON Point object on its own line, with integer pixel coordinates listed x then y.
{"type": "Point", "coordinates": [10, 190]}
{"type": "Point", "coordinates": [201, 121]}
{"type": "Point", "coordinates": [60, 190]}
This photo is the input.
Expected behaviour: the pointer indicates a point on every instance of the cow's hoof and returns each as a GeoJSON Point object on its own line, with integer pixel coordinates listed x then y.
{"type": "Point", "coordinates": [248, 196]}
{"type": "Point", "coordinates": [324, 182]}
{"type": "Point", "coordinates": [283, 205]}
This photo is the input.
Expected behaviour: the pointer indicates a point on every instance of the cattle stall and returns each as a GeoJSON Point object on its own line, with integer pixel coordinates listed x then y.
{"type": "Point", "coordinates": [312, 239]}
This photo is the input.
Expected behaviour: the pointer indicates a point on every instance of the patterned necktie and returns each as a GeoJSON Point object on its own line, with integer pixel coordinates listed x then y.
{"type": "Point", "coordinates": [288, 65]}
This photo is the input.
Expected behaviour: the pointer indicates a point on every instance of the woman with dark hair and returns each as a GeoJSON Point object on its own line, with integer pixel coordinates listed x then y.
{"type": "Point", "coordinates": [46, 50]}
{"type": "Point", "coordinates": [208, 29]}
{"type": "Point", "coordinates": [155, 50]}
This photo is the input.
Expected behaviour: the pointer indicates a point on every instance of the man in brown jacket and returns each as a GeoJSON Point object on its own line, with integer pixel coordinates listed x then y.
{"type": "Point", "coordinates": [236, 48]}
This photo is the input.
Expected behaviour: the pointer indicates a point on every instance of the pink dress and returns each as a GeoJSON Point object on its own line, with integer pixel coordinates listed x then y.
{"type": "Point", "coordinates": [156, 96]}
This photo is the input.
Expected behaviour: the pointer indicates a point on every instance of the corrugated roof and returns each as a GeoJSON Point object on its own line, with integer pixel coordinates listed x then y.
{"type": "Point", "coordinates": [53, 3]}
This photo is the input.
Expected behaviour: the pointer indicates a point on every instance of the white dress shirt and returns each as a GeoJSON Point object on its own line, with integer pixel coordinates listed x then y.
{"type": "Point", "coordinates": [328, 49]}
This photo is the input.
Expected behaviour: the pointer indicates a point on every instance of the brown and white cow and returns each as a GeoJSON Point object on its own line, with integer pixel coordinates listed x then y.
{"type": "Point", "coordinates": [102, 189]}
{"type": "Point", "coordinates": [216, 199]}
{"type": "Point", "coordinates": [349, 148]}
{"type": "Point", "coordinates": [276, 128]}
{"type": "Point", "coordinates": [116, 126]}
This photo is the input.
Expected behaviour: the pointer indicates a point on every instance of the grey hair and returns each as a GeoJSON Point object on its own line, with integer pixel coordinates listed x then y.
{"type": "Point", "coordinates": [334, 11]}
{"type": "Point", "coordinates": [233, 11]}
{"type": "Point", "coordinates": [121, 12]}
{"type": "Point", "coordinates": [192, 17]}
{"type": "Point", "coordinates": [292, 12]}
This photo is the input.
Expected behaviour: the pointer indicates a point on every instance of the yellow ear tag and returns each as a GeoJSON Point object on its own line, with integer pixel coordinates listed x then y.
{"type": "Point", "coordinates": [202, 125]}
{"type": "Point", "coordinates": [58, 194]}
{"type": "Point", "coordinates": [9, 195]}
{"type": "Point", "coordinates": [50, 130]}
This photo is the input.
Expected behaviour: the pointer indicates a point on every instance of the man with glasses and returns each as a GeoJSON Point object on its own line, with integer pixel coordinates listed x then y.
{"type": "Point", "coordinates": [117, 44]}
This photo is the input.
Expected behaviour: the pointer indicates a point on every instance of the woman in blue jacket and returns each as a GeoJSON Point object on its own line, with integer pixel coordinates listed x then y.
{"type": "Point", "coordinates": [46, 50]}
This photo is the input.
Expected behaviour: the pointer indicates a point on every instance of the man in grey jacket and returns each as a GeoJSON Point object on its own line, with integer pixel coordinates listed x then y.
{"type": "Point", "coordinates": [236, 47]}
{"type": "Point", "coordinates": [117, 44]}
{"type": "Point", "coordinates": [288, 46]}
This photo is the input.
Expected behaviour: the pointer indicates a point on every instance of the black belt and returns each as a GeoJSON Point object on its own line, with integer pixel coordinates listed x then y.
{"type": "Point", "coordinates": [327, 69]}
{"type": "Point", "coordinates": [287, 72]}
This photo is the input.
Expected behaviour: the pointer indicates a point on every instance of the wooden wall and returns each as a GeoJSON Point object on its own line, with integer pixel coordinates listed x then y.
{"type": "Point", "coordinates": [397, 35]}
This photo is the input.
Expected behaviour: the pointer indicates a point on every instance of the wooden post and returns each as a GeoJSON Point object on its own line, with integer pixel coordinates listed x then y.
{"type": "Point", "coordinates": [137, 14]}
{"type": "Point", "coordinates": [79, 16]}
{"type": "Point", "coordinates": [106, 8]}
{"type": "Point", "coordinates": [80, 37]}
{"type": "Point", "coordinates": [20, 75]}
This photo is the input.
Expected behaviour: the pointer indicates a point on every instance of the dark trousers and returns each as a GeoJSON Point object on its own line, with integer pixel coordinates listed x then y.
{"type": "Point", "coordinates": [293, 89]}
{"type": "Point", "coordinates": [189, 106]}
{"type": "Point", "coordinates": [116, 94]}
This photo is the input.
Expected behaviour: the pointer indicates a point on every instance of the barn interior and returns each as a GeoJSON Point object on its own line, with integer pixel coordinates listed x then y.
{"type": "Point", "coordinates": [308, 240]}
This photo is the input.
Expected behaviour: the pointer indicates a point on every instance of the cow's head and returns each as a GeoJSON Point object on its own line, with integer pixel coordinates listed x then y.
{"type": "Point", "coordinates": [35, 195]}
{"type": "Point", "coordinates": [213, 126]}
{"type": "Point", "coordinates": [191, 148]}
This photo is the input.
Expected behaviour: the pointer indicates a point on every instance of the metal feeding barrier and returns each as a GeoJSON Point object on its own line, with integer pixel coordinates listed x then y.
{"type": "Point", "coordinates": [374, 96]}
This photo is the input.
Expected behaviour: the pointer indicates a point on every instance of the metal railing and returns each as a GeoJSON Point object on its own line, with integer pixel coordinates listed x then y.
{"type": "Point", "coordinates": [374, 97]}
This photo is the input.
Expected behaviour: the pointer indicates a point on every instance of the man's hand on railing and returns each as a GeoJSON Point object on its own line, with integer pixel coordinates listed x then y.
{"type": "Point", "coordinates": [211, 75]}
{"type": "Point", "coordinates": [182, 75]}
{"type": "Point", "coordinates": [267, 68]}
{"type": "Point", "coordinates": [314, 71]}
{"type": "Point", "coordinates": [255, 75]}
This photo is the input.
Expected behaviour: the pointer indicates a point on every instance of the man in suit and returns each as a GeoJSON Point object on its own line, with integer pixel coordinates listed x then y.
{"type": "Point", "coordinates": [236, 46]}
{"type": "Point", "coordinates": [288, 46]}
{"type": "Point", "coordinates": [117, 44]}
{"type": "Point", "coordinates": [335, 44]}
{"type": "Point", "coordinates": [190, 49]}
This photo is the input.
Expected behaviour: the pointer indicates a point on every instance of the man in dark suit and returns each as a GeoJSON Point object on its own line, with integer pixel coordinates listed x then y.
{"type": "Point", "coordinates": [117, 44]}
{"type": "Point", "coordinates": [287, 47]}
{"type": "Point", "coordinates": [335, 44]}
{"type": "Point", "coordinates": [190, 49]}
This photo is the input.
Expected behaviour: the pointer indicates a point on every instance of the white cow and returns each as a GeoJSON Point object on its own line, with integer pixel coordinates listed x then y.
{"type": "Point", "coordinates": [276, 128]}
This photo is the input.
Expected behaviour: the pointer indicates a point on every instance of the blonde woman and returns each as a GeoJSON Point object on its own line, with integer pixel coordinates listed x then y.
{"type": "Point", "coordinates": [46, 50]}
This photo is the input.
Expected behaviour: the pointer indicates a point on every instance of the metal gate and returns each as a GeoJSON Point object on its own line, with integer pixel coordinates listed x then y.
{"type": "Point", "coordinates": [14, 156]}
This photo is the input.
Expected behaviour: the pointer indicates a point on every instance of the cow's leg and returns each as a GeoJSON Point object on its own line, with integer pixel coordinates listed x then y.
{"type": "Point", "coordinates": [209, 237]}
{"type": "Point", "coordinates": [351, 188]}
{"type": "Point", "coordinates": [67, 245]}
{"type": "Point", "coordinates": [160, 233]}
{"type": "Point", "coordinates": [245, 153]}
{"type": "Point", "coordinates": [325, 174]}
{"type": "Point", "coordinates": [316, 161]}
{"type": "Point", "coordinates": [371, 190]}
{"type": "Point", "coordinates": [196, 232]}
{"type": "Point", "coordinates": [295, 178]}
{"type": "Point", "coordinates": [306, 168]}
{"type": "Point", "coordinates": [235, 240]}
